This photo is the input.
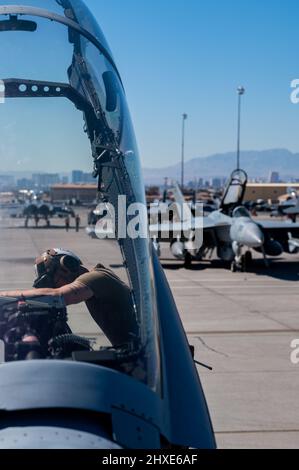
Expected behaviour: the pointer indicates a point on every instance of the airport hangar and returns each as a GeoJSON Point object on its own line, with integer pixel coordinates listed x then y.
{"type": "Point", "coordinates": [85, 193]}
{"type": "Point", "coordinates": [254, 191]}
{"type": "Point", "coordinates": [268, 191]}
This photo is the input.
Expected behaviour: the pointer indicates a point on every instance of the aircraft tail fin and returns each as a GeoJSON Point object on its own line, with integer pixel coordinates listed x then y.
{"type": "Point", "coordinates": [186, 213]}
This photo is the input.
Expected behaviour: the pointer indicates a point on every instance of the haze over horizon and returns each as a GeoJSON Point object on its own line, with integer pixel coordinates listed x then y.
{"type": "Point", "coordinates": [257, 164]}
{"type": "Point", "coordinates": [230, 152]}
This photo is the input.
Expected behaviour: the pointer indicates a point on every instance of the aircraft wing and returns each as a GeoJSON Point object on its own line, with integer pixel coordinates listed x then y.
{"type": "Point", "coordinates": [279, 230]}
{"type": "Point", "coordinates": [169, 231]}
{"type": "Point", "coordinates": [291, 210]}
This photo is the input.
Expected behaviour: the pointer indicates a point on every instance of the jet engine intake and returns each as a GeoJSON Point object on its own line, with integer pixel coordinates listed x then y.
{"type": "Point", "coordinates": [271, 248]}
{"type": "Point", "coordinates": [225, 252]}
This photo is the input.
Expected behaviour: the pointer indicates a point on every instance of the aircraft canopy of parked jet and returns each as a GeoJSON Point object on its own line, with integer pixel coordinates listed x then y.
{"type": "Point", "coordinates": [241, 212]}
{"type": "Point", "coordinates": [234, 191]}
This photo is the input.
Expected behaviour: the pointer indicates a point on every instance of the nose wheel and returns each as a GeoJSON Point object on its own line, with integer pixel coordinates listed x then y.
{"type": "Point", "coordinates": [241, 263]}
{"type": "Point", "coordinates": [235, 267]}
{"type": "Point", "coordinates": [188, 261]}
{"type": "Point", "coordinates": [247, 259]}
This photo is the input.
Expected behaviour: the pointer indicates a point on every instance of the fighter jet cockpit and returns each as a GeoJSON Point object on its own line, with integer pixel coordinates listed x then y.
{"type": "Point", "coordinates": [67, 140]}
{"type": "Point", "coordinates": [234, 191]}
{"type": "Point", "coordinates": [241, 212]}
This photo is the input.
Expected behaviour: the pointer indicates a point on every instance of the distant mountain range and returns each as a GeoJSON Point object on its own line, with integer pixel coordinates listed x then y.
{"type": "Point", "coordinates": [255, 163]}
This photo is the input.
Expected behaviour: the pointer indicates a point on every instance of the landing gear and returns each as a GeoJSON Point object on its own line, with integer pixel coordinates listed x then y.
{"type": "Point", "coordinates": [241, 262]}
{"type": "Point", "coordinates": [188, 260]}
{"type": "Point", "coordinates": [247, 260]}
{"type": "Point", "coordinates": [238, 265]}
{"type": "Point", "coordinates": [234, 267]}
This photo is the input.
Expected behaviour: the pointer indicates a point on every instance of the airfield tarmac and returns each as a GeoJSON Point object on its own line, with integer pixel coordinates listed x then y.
{"type": "Point", "coordinates": [241, 324]}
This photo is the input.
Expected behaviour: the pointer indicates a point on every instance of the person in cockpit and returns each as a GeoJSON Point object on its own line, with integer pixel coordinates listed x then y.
{"type": "Point", "coordinates": [108, 299]}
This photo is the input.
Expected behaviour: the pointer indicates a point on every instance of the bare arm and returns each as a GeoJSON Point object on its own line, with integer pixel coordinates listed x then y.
{"type": "Point", "coordinates": [74, 293]}
{"type": "Point", "coordinates": [28, 293]}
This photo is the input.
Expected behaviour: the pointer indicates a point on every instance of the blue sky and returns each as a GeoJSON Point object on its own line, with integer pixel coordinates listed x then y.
{"type": "Point", "coordinates": [189, 56]}
{"type": "Point", "coordinates": [175, 57]}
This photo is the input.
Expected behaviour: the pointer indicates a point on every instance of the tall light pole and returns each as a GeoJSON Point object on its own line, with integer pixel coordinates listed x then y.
{"type": "Point", "coordinates": [185, 117]}
{"type": "Point", "coordinates": [240, 91]}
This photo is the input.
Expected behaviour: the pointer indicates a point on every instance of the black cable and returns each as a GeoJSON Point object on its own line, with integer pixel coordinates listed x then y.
{"type": "Point", "coordinates": [203, 365]}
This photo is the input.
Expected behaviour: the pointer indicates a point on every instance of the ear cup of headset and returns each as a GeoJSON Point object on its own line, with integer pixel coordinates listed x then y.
{"type": "Point", "coordinates": [70, 264]}
{"type": "Point", "coordinates": [44, 277]}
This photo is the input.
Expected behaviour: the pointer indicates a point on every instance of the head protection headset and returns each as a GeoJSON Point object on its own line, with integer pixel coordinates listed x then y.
{"type": "Point", "coordinates": [48, 264]}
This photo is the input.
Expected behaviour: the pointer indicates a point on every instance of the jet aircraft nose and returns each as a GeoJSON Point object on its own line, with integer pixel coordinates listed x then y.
{"type": "Point", "coordinates": [245, 232]}
{"type": "Point", "coordinates": [253, 236]}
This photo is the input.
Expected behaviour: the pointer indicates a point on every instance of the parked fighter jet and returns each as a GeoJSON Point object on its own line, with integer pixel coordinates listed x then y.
{"type": "Point", "coordinates": [291, 210]}
{"type": "Point", "coordinates": [228, 230]}
{"type": "Point", "coordinates": [46, 210]}
{"type": "Point", "coordinates": [145, 393]}
{"type": "Point", "coordinates": [288, 207]}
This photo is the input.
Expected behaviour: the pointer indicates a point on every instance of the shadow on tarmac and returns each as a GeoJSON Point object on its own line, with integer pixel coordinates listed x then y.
{"type": "Point", "coordinates": [279, 268]}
